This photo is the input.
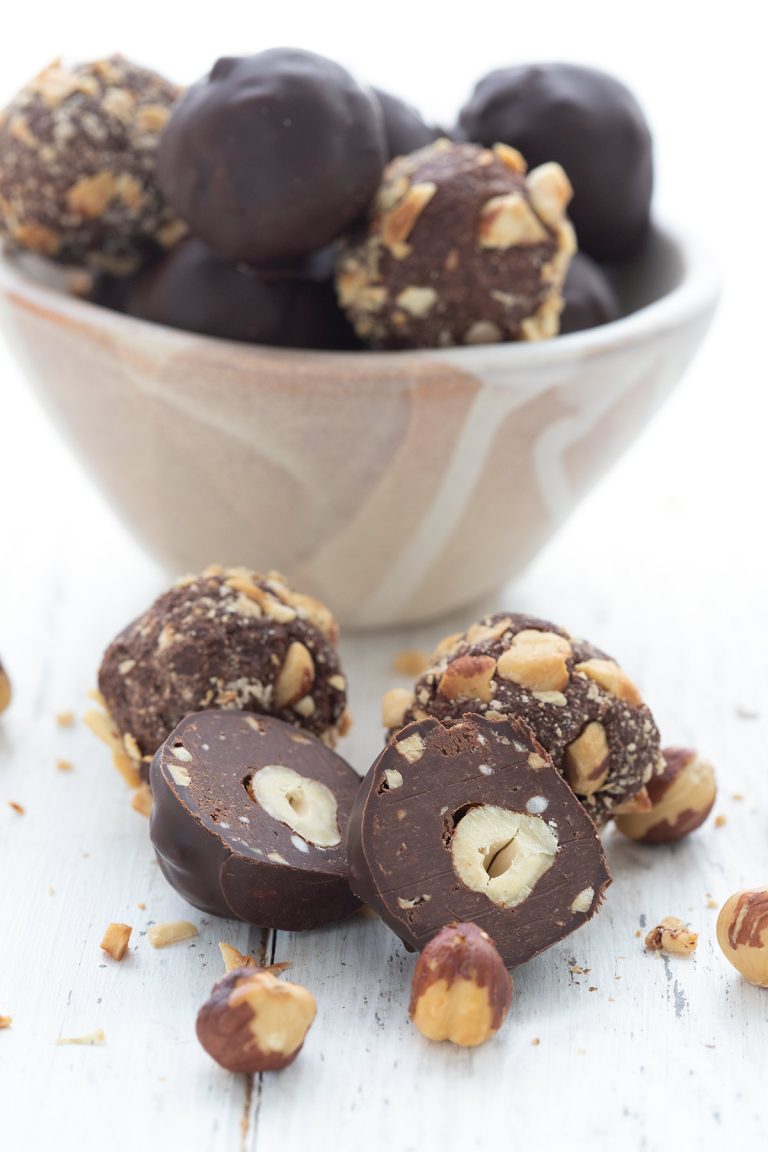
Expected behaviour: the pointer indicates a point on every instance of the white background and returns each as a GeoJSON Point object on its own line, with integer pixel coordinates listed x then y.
{"type": "Point", "coordinates": [665, 566]}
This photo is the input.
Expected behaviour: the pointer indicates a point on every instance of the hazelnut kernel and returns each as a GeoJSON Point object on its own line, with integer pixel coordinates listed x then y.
{"type": "Point", "coordinates": [612, 678]}
{"type": "Point", "coordinates": [671, 935]}
{"type": "Point", "coordinates": [681, 799]}
{"type": "Point", "coordinates": [586, 760]}
{"type": "Point", "coordinates": [536, 660]}
{"type": "Point", "coordinates": [468, 678]}
{"type": "Point", "coordinates": [742, 933]}
{"type": "Point", "coordinates": [254, 1022]}
{"type": "Point", "coordinates": [461, 990]}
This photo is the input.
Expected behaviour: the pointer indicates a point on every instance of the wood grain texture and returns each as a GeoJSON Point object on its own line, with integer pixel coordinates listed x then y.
{"type": "Point", "coordinates": [664, 567]}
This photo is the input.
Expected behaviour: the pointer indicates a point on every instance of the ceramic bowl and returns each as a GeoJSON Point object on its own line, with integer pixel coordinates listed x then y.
{"type": "Point", "coordinates": [395, 486]}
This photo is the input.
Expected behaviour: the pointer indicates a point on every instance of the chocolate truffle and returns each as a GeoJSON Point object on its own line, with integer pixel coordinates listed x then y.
{"type": "Point", "coordinates": [580, 704]}
{"type": "Point", "coordinates": [273, 156]}
{"type": "Point", "coordinates": [591, 124]}
{"type": "Point", "coordinates": [191, 288]}
{"type": "Point", "coordinates": [229, 638]}
{"type": "Point", "coordinates": [589, 297]}
{"type": "Point", "coordinates": [249, 818]}
{"type": "Point", "coordinates": [404, 128]}
{"type": "Point", "coordinates": [461, 248]}
{"type": "Point", "coordinates": [470, 821]}
{"type": "Point", "coordinates": [5, 689]}
{"type": "Point", "coordinates": [78, 165]}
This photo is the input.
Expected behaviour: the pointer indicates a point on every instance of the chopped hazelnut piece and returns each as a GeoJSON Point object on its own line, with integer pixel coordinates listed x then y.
{"type": "Point", "coordinates": [5, 1022]}
{"type": "Point", "coordinates": [171, 932]}
{"type": "Point", "coordinates": [612, 678]}
{"type": "Point", "coordinates": [536, 660]}
{"type": "Point", "coordinates": [89, 1039]}
{"type": "Point", "coordinates": [115, 940]}
{"type": "Point", "coordinates": [410, 662]}
{"type": "Point", "coordinates": [141, 800]}
{"type": "Point", "coordinates": [671, 935]}
{"type": "Point", "coordinates": [468, 678]}
{"type": "Point", "coordinates": [18, 808]}
{"type": "Point", "coordinates": [65, 719]}
{"type": "Point", "coordinates": [234, 959]}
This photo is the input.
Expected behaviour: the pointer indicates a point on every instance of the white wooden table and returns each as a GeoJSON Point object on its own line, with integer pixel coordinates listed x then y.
{"type": "Point", "coordinates": [666, 568]}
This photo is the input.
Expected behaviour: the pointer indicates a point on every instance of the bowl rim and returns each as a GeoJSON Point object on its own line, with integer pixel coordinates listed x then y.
{"type": "Point", "coordinates": [696, 293]}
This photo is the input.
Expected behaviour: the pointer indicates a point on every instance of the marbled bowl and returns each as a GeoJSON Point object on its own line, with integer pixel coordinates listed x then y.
{"type": "Point", "coordinates": [395, 486]}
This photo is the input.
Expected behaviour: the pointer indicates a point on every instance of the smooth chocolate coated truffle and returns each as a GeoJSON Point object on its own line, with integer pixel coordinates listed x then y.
{"type": "Point", "coordinates": [249, 818]}
{"type": "Point", "coordinates": [191, 288]}
{"type": "Point", "coordinates": [273, 156]}
{"type": "Point", "coordinates": [462, 247]}
{"type": "Point", "coordinates": [589, 298]}
{"type": "Point", "coordinates": [591, 124]}
{"type": "Point", "coordinates": [229, 638]}
{"type": "Point", "coordinates": [5, 689]}
{"type": "Point", "coordinates": [580, 704]}
{"type": "Point", "coordinates": [404, 128]}
{"type": "Point", "coordinates": [470, 821]}
{"type": "Point", "coordinates": [78, 165]}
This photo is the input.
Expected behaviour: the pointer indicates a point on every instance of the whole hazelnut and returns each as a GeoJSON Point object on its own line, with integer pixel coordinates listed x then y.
{"type": "Point", "coordinates": [461, 990]}
{"type": "Point", "coordinates": [5, 689]}
{"type": "Point", "coordinates": [254, 1022]}
{"type": "Point", "coordinates": [742, 933]}
{"type": "Point", "coordinates": [681, 799]}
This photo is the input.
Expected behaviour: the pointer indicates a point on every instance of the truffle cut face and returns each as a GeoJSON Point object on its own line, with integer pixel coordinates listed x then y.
{"type": "Point", "coordinates": [590, 123]}
{"type": "Point", "coordinates": [470, 821]}
{"type": "Point", "coordinates": [230, 638]}
{"type": "Point", "coordinates": [78, 165]}
{"type": "Point", "coordinates": [249, 820]}
{"type": "Point", "coordinates": [463, 246]}
{"type": "Point", "coordinates": [580, 704]}
{"type": "Point", "coordinates": [273, 156]}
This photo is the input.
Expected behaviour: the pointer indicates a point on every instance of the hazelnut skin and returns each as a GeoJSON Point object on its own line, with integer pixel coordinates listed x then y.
{"type": "Point", "coordinates": [5, 689]}
{"type": "Point", "coordinates": [681, 799]}
{"type": "Point", "coordinates": [461, 990]}
{"type": "Point", "coordinates": [742, 933]}
{"type": "Point", "coordinates": [254, 1022]}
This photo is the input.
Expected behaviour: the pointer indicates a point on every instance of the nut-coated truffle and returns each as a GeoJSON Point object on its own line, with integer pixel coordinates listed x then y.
{"type": "Point", "coordinates": [291, 306]}
{"type": "Point", "coordinates": [682, 797]}
{"type": "Point", "coordinates": [591, 124]}
{"type": "Point", "coordinates": [580, 704]}
{"type": "Point", "coordinates": [404, 128]}
{"type": "Point", "coordinates": [229, 638]}
{"type": "Point", "coordinates": [271, 157]}
{"type": "Point", "coordinates": [249, 820]}
{"type": "Point", "coordinates": [5, 689]}
{"type": "Point", "coordinates": [254, 1022]}
{"type": "Point", "coordinates": [78, 165]}
{"type": "Point", "coordinates": [462, 247]}
{"type": "Point", "coordinates": [461, 990]}
{"type": "Point", "coordinates": [742, 933]}
{"type": "Point", "coordinates": [589, 298]}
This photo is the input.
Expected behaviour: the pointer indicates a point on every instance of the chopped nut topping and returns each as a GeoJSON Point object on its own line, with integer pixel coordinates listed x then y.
{"type": "Point", "coordinates": [296, 676]}
{"type": "Point", "coordinates": [536, 660]}
{"type": "Point", "coordinates": [613, 679]}
{"type": "Point", "coordinates": [510, 158]}
{"type": "Point", "coordinates": [141, 800]}
{"type": "Point", "coordinates": [394, 706]}
{"type": "Point", "coordinates": [508, 220]}
{"type": "Point", "coordinates": [101, 724]}
{"type": "Point", "coordinates": [398, 223]}
{"type": "Point", "coordinates": [171, 932]}
{"type": "Point", "coordinates": [468, 678]}
{"type": "Point", "coordinates": [671, 935]}
{"type": "Point", "coordinates": [115, 940]}
{"type": "Point", "coordinates": [550, 191]}
{"type": "Point", "coordinates": [587, 760]}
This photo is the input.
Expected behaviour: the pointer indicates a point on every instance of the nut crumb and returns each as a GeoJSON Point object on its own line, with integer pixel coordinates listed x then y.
{"type": "Point", "coordinates": [234, 959]}
{"type": "Point", "coordinates": [18, 808]}
{"type": "Point", "coordinates": [171, 932]}
{"type": "Point", "coordinates": [671, 935]}
{"type": "Point", "coordinates": [115, 940]}
{"type": "Point", "coordinates": [737, 796]}
{"type": "Point", "coordinates": [141, 799]}
{"type": "Point", "coordinates": [65, 719]}
{"type": "Point", "coordinates": [5, 1022]}
{"type": "Point", "coordinates": [141, 906]}
{"type": "Point", "coordinates": [64, 765]}
{"type": "Point", "coordinates": [712, 904]}
{"type": "Point", "coordinates": [90, 1038]}
{"type": "Point", "coordinates": [720, 821]}
{"type": "Point", "coordinates": [535, 1042]}
{"type": "Point", "coordinates": [410, 662]}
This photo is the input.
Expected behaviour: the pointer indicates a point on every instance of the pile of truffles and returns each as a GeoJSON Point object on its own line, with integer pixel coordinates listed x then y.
{"type": "Point", "coordinates": [280, 201]}
{"type": "Point", "coordinates": [475, 835]}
